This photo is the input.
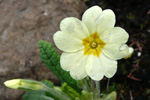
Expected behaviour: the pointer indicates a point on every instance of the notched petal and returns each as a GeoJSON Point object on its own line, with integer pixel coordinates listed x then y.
{"type": "Point", "coordinates": [74, 27]}
{"type": "Point", "coordinates": [90, 16]}
{"type": "Point", "coordinates": [106, 20]}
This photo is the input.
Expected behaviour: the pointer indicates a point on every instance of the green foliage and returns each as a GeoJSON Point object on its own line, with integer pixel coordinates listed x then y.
{"type": "Point", "coordinates": [85, 96]}
{"type": "Point", "coordinates": [51, 58]}
{"type": "Point", "coordinates": [110, 96]}
{"type": "Point", "coordinates": [40, 95]}
{"type": "Point", "coordinates": [37, 95]}
{"type": "Point", "coordinates": [48, 93]}
{"type": "Point", "coordinates": [70, 91]}
{"type": "Point", "coordinates": [88, 96]}
{"type": "Point", "coordinates": [84, 84]}
{"type": "Point", "coordinates": [48, 83]}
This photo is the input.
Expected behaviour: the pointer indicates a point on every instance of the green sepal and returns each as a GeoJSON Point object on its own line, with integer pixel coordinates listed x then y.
{"type": "Point", "coordinates": [70, 91]}
{"type": "Point", "coordinates": [51, 59]}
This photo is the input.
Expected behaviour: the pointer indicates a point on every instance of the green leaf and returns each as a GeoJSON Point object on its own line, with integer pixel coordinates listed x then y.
{"type": "Point", "coordinates": [85, 96]}
{"type": "Point", "coordinates": [88, 96]}
{"type": "Point", "coordinates": [37, 95]}
{"type": "Point", "coordinates": [84, 84]}
{"type": "Point", "coordinates": [51, 58]}
{"type": "Point", "coordinates": [48, 83]}
{"type": "Point", "coordinates": [110, 96]}
{"type": "Point", "coordinates": [47, 93]}
{"type": "Point", "coordinates": [53, 91]}
{"type": "Point", "coordinates": [70, 91]}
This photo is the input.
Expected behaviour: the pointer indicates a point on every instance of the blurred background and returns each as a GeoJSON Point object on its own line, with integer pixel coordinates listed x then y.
{"type": "Point", "coordinates": [24, 22]}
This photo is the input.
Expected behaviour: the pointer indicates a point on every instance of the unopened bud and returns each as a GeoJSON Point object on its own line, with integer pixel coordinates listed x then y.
{"type": "Point", "coordinates": [24, 84]}
{"type": "Point", "coordinates": [131, 50]}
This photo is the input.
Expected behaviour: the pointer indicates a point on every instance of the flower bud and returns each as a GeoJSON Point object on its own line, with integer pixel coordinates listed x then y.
{"type": "Point", "coordinates": [24, 84]}
{"type": "Point", "coordinates": [131, 50]}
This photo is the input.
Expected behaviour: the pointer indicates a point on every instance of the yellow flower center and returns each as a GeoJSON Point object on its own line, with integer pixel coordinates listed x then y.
{"type": "Point", "coordinates": [93, 45]}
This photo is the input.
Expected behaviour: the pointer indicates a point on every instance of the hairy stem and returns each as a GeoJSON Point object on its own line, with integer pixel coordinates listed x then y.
{"type": "Point", "coordinates": [97, 92]}
{"type": "Point", "coordinates": [108, 84]}
{"type": "Point", "coordinates": [93, 88]}
{"type": "Point", "coordinates": [57, 93]}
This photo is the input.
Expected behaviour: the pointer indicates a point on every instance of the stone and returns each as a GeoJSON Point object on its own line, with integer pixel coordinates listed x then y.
{"type": "Point", "coordinates": [22, 24]}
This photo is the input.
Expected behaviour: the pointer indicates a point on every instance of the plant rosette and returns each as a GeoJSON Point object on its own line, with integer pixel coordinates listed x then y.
{"type": "Point", "coordinates": [91, 48]}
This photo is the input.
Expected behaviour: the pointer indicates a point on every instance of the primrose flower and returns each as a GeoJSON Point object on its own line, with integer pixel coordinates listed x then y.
{"type": "Point", "coordinates": [91, 46]}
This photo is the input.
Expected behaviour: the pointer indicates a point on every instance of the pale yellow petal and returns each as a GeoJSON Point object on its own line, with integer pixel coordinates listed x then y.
{"type": "Point", "coordinates": [105, 21]}
{"type": "Point", "coordinates": [75, 63]}
{"type": "Point", "coordinates": [67, 43]}
{"type": "Point", "coordinates": [115, 35]}
{"type": "Point", "coordinates": [74, 27]}
{"type": "Point", "coordinates": [94, 69]}
{"type": "Point", "coordinates": [109, 66]}
{"type": "Point", "coordinates": [15, 83]}
{"type": "Point", "coordinates": [90, 16]}
{"type": "Point", "coordinates": [116, 51]}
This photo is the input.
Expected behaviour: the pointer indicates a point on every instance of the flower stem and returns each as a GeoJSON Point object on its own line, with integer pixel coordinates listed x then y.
{"type": "Point", "coordinates": [97, 92]}
{"type": "Point", "coordinates": [87, 84]}
{"type": "Point", "coordinates": [93, 88]}
{"type": "Point", "coordinates": [60, 95]}
{"type": "Point", "coordinates": [108, 84]}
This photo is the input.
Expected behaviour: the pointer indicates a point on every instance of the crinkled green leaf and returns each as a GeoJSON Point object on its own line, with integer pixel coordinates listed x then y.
{"type": "Point", "coordinates": [85, 96]}
{"type": "Point", "coordinates": [48, 92]}
{"type": "Point", "coordinates": [48, 83]}
{"type": "Point", "coordinates": [51, 58]}
{"type": "Point", "coordinates": [88, 96]}
{"type": "Point", "coordinates": [45, 94]}
{"type": "Point", "coordinates": [110, 96]}
{"type": "Point", "coordinates": [70, 91]}
{"type": "Point", "coordinates": [38, 95]}
{"type": "Point", "coordinates": [55, 92]}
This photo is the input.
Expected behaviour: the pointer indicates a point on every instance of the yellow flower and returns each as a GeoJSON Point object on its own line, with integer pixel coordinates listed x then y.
{"type": "Point", "coordinates": [91, 46]}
